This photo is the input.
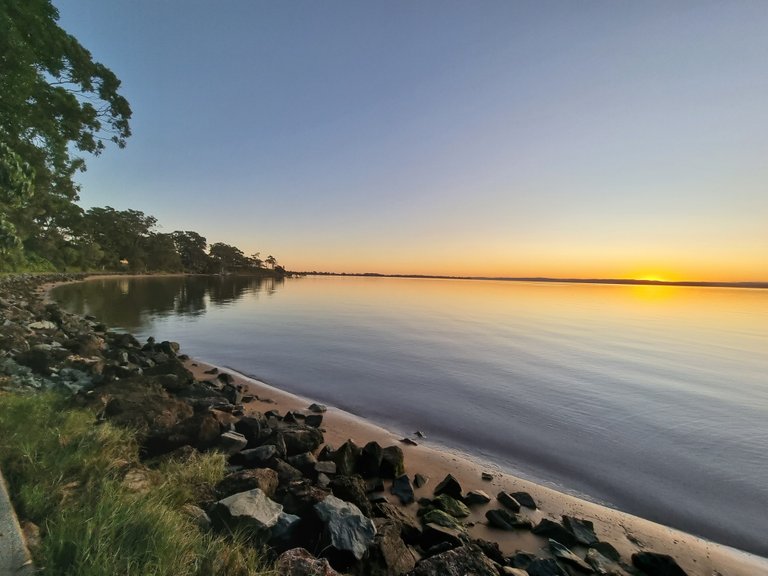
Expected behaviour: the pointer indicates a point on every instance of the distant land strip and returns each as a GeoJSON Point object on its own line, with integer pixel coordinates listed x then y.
{"type": "Point", "coordinates": [625, 281]}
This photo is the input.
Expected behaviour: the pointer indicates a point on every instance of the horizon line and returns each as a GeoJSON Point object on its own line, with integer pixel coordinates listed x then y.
{"type": "Point", "coordinates": [623, 281]}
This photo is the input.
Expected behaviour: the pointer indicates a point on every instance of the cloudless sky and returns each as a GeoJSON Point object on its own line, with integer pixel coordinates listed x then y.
{"type": "Point", "coordinates": [591, 139]}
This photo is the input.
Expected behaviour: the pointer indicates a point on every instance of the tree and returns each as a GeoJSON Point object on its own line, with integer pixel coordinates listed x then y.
{"type": "Point", "coordinates": [271, 260]}
{"type": "Point", "coordinates": [191, 248]}
{"type": "Point", "coordinates": [256, 260]}
{"type": "Point", "coordinates": [228, 257]}
{"type": "Point", "coordinates": [55, 102]}
{"type": "Point", "coordinates": [120, 234]}
{"type": "Point", "coordinates": [160, 253]}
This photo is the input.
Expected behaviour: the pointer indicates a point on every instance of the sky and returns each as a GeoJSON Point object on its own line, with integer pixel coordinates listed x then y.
{"type": "Point", "coordinates": [493, 138]}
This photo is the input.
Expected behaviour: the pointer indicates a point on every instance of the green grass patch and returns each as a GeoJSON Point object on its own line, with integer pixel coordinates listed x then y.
{"type": "Point", "coordinates": [66, 474]}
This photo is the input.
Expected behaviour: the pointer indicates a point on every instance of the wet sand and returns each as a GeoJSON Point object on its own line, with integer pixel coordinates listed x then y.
{"type": "Point", "coordinates": [629, 534]}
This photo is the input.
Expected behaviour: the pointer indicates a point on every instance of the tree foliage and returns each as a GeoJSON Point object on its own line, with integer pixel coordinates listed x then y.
{"type": "Point", "coordinates": [56, 102]}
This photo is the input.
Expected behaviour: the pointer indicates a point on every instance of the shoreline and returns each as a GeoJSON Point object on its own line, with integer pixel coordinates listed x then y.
{"type": "Point", "coordinates": [627, 533]}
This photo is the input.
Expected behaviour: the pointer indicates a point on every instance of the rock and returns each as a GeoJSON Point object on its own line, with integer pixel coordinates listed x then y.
{"type": "Point", "coordinates": [420, 434]}
{"type": "Point", "coordinates": [409, 441]}
{"type": "Point", "coordinates": [441, 518]}
{"type": "Point", "coordinates": [607, 550]}
{"type": "Point", "coordinates": [487, 476]}
{"type": "Point", "coordinates": [326, 467]}
{"type": "Point", "coordinates": [555, 531]}
{"type": "Point", "coordinates": [392, 462]}
{"type": "Point", "coordinates": [583, 530]}
{"type": "Point", "coordinates": [285, 472]}
{"type": "Point", "coordinates": [299, 562]}
{"type": "Point", "coordinates": [263, 478]}
{"type": "Point", "coordinates": [434, 534]}
{"type": "Point", "coordinates": [449, 486]}
{"type": "Point", "coordinates": [197, 515]}
{"type": "Point", "coordinates": [314, 420]}
{"type": "Point", "coordinates": [231, 443]}
{"type": "Point", "coordinates": [521, 559]}
{"type": "Point", "coordinates": [346, 458]}
{"type": "Point", "coordinates": [305, 462]}
{"type": "Point", "coordinates": [509, 571]}
{"type": "Point", "coordinates": [490, 549]}
{"type": "Point", "coordinates": [389, 556]}
{"type": "Point", "coordinates": [401, 487]}
{"type": "Point", "coordinates": [457, 562]}
{"type": "Point", "coordinates": [410, 530]}
{"type": "Point", "coordinates": [419, 480]}
{"type": "Point", "coordinates": [525, 499]}
{"type": "Point", "coordinates": [225, 378]}
{"type": "Point", "coordinates": [508, 501]}
{"type": "Point", "coordinates": [600, 563]}
{"type": "Point", "coordinates": [451, 506]}
{"type": "Point", "coordinates": [505, 520]}
{"type": "Point", "coordinates": [545, 567]}
{"type": "Point", "coordinates": [322, 480]}
{"type": "Point", "coordinates": [250, 510]}
{"type": "Point", "coordinates": [369, 462]}
{"type": "Point", "coordinates": [300, 497]}
{"type": "Point", "coordinates": [564, 554]}
{"type": "Point", "coordinates": [283, 533]}
{"type": "Point", "coordinates": [298, 440]}
{"type": "Point", "coordinates": [254, 428]}
{"type": "Point", "coordinates": [352, 489]}
{"type": "Point", "coordinates": [474, 497]}
{"type": "Point", "coordinates": [317, 408]}
{"type": "Point", "coordinates": [655, 564]}
{"type": "Point", "coordinates": [255, 457]}
{"type": "Point", "coordinates": [42, 325]}
{"type": "Point", "coordinates": [345, 527]}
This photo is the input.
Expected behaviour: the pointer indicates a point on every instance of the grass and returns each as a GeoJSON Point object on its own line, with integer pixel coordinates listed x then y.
{"type": "Point", "coordinates": [66, 474]}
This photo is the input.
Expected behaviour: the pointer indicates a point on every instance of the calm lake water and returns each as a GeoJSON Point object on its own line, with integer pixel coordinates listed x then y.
{"type": "Point", "coordinates": [650, 399]}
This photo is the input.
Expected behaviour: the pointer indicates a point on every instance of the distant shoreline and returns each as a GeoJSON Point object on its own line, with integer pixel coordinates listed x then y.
{"type": "Point", "coordinates": [623, 281]}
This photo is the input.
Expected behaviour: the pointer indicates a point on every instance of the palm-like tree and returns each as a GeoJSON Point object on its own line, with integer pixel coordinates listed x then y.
{"type": "Point", "coordinates": [271, 260]}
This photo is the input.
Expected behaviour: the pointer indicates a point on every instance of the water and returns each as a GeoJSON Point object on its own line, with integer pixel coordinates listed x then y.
{"type": "Point", "coordinates": [650, 399]}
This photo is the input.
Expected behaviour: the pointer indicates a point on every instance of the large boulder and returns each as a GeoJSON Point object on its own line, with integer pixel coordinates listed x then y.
{"type": "Point", "coordinates": [252, 510]}
{"type": "Point", "coordinates": [352, 489]}
{"type": "Point", "coordinates": [450, 486]}
{"type": "Point", "coordinates": [370, 460]}
{"type": "Point", "coordinates": [457, 562]}
{"type": "Point", "coordinates": [346, 458]}
{"type": "Point", "coordinates": [299, 562]}
{"type": "Point", "coordinates": [346, 529]}
{"type": "Point", "coordinates": [389, 556]}
{"type": "Point", "coordinates": [299, 440]}
{"type": "Point", "coordinates": [392, 462]}
{"type": "Point", "coordinates": [263, 478]}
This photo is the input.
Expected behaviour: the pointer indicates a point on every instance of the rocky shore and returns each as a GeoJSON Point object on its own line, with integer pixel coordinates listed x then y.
{"type": "Point", "coordinates": [322, 502]}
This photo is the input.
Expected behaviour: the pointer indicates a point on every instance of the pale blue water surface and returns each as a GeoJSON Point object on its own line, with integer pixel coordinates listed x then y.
{"type": "Point", "coordinates": [650, 399]}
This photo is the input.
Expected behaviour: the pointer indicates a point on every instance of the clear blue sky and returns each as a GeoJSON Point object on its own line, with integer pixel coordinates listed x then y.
{"type": "Point", "coordinates": [503, 138]}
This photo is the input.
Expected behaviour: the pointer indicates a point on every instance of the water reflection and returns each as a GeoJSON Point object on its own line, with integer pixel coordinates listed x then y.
{"type": "Point", "coordinates": [130, 303]}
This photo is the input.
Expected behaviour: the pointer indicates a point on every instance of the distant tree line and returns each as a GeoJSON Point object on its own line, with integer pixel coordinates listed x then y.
{"type": "Point", "coordinates": [56, 102]}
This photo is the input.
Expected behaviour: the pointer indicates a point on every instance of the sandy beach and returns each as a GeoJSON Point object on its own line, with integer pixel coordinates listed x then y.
{"type": "Point", "coordinates": [629, 534]}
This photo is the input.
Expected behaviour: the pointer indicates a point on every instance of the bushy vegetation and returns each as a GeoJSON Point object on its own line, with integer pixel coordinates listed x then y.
{"type": "Point", "coordinates": [56, 104]}
{"type": "Point", "coordinates": [67, 473]}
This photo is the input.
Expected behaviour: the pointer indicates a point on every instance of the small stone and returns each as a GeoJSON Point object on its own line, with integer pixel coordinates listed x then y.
{"type": "Point", "coordinates": [476, 497]}
{"type": "Point", "coordinates": [408, 441]}
{"type": "Point", "coordinates": [487, 476]}
{"type": "Point", "coordinates": [420, 434]}
{"type": "Point", "coordinates": [505, 520]}
{"type": "Point", "coordinates": [449, 486]}
{"type": "Point", "coordinates": [401, 487]}
{"type": "Point", "coordinates": [508, 501]}
{"type": "Point", "coordinates": [317, 408]}
{"type": "Point", "coordinates": [564, 554]}
{"type": "Point", "coordinates": [525, 499]}
{"type": "Point", "coordinates": [419, 480]}
{"type": "Point", "coordinates": [657, 564]}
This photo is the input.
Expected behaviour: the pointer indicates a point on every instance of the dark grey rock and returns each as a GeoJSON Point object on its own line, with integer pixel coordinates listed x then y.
{"type": "Point", "coordinates": [255, 457]}
{"type": "Point", "coordinates": [325, 467]}
{"type": "Point", "coordinates": [299, 440]}
{"type": "Point", "coordinates": [389, 555]}
{"type": "Point", "coordinates": [345, 527]}
{"type": "Point", "coordinates": [545, 567]}
{"type": "Point", "coordinates": [450, 486]}
{"type": "Point", "coordinates": [583, 530]}
{"type": "Point", "coordinates": [525, 499]}
{"type": "Point", "coordinates": [556, 531]}
{"type": "Point", "coordinates": [305, 462]}
{"type": "Point", "coordinates": [401, 487]}
{"type": "Point", "coordinates": [352, 489]}
{"type": "Point", "coordinates": [655, 564]}
{"type": "Point", "coordinates": [508, 501]}
{"type": "Point", "coordinates": [420, 480]}
{"type": "Point", "coordinates": [565, 555]}
{"type": "Point", "coordinates": [231, 443]}
{"type": "Point", "coordinates": [607, 550]}
{"type": "Point", "coordinates": [346, 458]}
{"type": "Point", "coordinates": [505, 520]}
{"type": "Point", "coordinates": [392, 462]}
{"type": "Point", "coordinates": [317, 408]}
{"type": "Point", "coordinates": [370, 460]}
{"type": "Point", "coordinates": [410, 530]}
{"type": "Point", "coordinates": [474, 497]}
